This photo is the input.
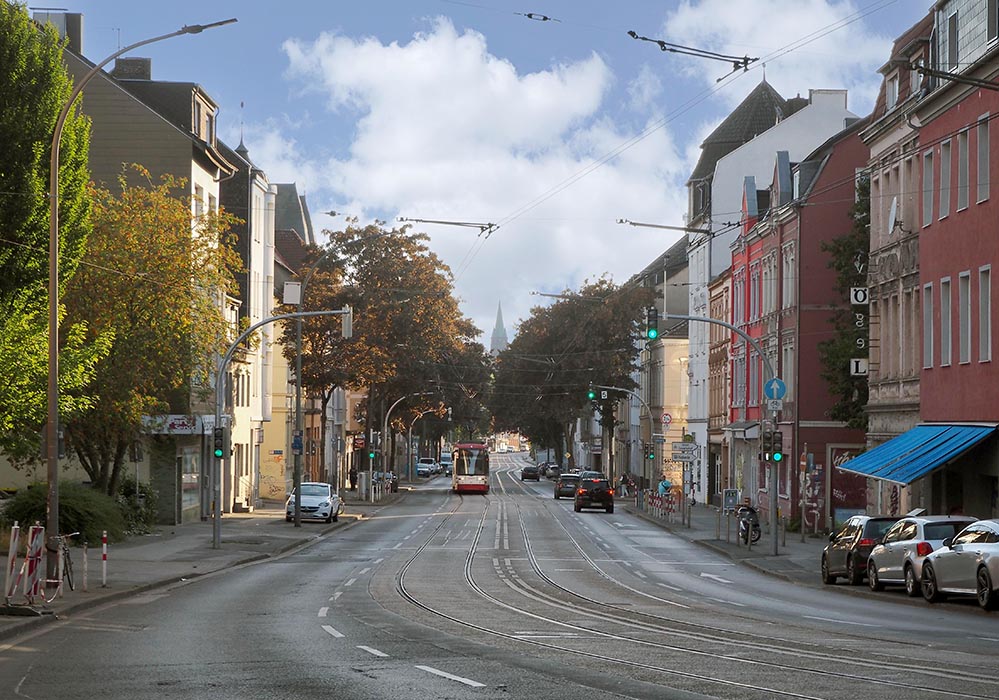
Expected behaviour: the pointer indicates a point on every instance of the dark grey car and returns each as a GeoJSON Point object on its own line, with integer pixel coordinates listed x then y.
{"type": "Point", "coordinates": [566, 486]}
{"type": "Point", "coordinates": [850, 547]}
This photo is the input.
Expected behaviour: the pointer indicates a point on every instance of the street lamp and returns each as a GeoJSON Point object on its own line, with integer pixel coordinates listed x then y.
{"type": "Point", "coordinates": [385, 423]}
{"type": "Point", "coordinates": [52, 429]}
{"type": "Point", "coordinates": [409, 442]}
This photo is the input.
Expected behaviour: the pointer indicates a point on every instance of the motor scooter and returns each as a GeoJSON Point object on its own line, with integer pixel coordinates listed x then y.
{"type": "Point", "coordinates": [749, 524]}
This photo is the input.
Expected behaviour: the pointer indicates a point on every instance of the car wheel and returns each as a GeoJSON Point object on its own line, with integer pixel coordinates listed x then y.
{"type": "Point", "coordinates": [853, 575]}
{"type": "Point", "coordinates": [987, 598]}
{"type": "Point", "coordinates": [911, 584]}
{"type": "Point", "coordinates": [827, 578]}
{"type": "Point", "coordinates": [928, 585]}
{"type": "Point", "coordinates": [610, 508]}
{"type": "Point", "coordinates": [576, 507]}
{"type": "Point", "coordinates": [872, 577]}
{"type": "Point", "coordinates": [335, 517]}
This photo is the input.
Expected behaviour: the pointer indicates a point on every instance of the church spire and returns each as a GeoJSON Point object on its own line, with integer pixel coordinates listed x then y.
{"type": "Point", "coordinates": [499, 340]}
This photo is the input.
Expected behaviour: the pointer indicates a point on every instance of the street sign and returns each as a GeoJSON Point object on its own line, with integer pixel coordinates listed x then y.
{"type": "Point", "coordinates": [683, 457]}
{"type": "Point", "coordinates": [658, 439]}
{"type": "Point", "coordinates": [775, 388]}
{"type": "Point", "coordinates": [666, 419]}
{"type": "Point", "coordinates": [775, 404]}
{"type": "Point", "coordinates": [296, 442]}
{"type": "Point", "coordinates": [685, 446]}
{"type": "Point", "coordinates": [358, 442]}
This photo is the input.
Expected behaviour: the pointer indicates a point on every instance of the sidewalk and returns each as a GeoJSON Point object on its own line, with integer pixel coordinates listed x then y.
{"type": "Point", "coordinates": [181, 552]}
{"type": "Point", "coordinates": [796, 561]}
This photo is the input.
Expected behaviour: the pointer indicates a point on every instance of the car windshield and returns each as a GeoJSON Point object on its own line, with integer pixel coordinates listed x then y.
{"type": "Point", "coordinates": [315, 490]}
{"type": "Point", "coordinates": [941, 531]}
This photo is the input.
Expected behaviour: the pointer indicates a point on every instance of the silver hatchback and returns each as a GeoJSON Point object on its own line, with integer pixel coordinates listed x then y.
{"type": "Point", "coordinates": [897, 559]}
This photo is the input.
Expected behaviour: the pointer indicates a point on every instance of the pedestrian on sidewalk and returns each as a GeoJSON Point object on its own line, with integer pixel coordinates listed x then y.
{"type": "Point", "coordinates": [624, 486]}
{"type": "Point", "coordinates": [353, 478]}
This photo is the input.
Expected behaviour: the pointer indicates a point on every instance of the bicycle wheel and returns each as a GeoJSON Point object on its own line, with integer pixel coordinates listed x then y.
{"type": "Point", "coordinates": [68, 568]}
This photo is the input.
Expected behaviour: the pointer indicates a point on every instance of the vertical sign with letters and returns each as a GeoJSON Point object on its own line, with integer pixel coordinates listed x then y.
{"type": "Point", "coordinates": [860, 299]}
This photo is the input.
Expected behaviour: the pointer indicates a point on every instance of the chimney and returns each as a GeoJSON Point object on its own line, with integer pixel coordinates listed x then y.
{"type": "Point", "coordinates": [68, 24]}
{"type": "Point", "coordinates": [133, 69]}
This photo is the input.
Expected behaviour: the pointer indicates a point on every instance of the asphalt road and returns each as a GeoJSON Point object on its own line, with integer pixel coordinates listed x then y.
{"type": "Point", "coordinates": [508, 595]}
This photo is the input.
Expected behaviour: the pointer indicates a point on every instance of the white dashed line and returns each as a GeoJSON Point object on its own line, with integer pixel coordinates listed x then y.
{"type": "Point", "coordinates": [338, 635]}
{"type": "Point", "coordinates": [397, 546]}
{"type": "Point", "coordinates": [442, 674]}
{"type": "Point", "coordinates": [379, 560]}
{"type": "Point", "coordinates": [842, 622]}
{"type": "Point", "coordinates": [364, 571]}
{"type": "Point", "coordinates": [323, 611]}
{"type": "Point", "coordinates": [373, 652]}
{"type": "Point", "coordinates": [672, 588]}
{"type": "Point", "coordinates": [350, 582]}
{"type": "Point", "coordinates": [335, 596]}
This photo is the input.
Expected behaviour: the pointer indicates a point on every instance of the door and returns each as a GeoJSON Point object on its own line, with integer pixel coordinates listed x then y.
{"type": "Point", "coordinates": [841, 544]}
{"type": "Point", "coordinates": [956, 570]}
{"type": "Point", "coordinates": [891, 553]}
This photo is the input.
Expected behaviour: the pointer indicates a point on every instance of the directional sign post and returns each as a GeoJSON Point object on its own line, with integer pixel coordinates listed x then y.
{"type": "Point", "coordinates": [775, 388]}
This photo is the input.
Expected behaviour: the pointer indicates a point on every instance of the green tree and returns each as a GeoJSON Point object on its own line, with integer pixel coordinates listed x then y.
{"type": "Point", "coordinates": [587, 336]}
{"type": "Point", "coordinates": [405, 319]}
{"type": "Point", "coordinates": [34, 86]}
{"type": "Point", "coordinates": [153, 285]}
{"type": "Point", "coordinates": [848, 257]}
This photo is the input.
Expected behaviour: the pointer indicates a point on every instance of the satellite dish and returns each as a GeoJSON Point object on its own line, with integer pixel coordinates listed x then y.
{"type": "Point", "coordinates": [893, 216]}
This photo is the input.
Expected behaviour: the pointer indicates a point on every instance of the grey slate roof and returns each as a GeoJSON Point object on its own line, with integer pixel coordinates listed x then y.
{"type": "Point", "coordinates": [762, 109]}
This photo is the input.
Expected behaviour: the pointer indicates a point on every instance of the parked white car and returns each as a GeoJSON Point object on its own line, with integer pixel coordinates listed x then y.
{"type": "Point", "coordinates": [965, 565]}
{"type": "Point", "coordinates": [897, 559]}
{"type": "Point", "coordinates": [319, 502]}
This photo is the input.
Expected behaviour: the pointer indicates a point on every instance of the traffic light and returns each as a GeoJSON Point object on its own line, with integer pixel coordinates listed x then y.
{"type": "Point", "coordinates": [591, 393]}
{"type": "Point", "coordinates": [650, 452]}
{"type": "Point", "coordinates": [218, 440]}
{"type": "Point", "coordinates": [371, 454]}
{"type": "Point", "coordinates": [652, 323]}
{"type": "Point", "coordinates": [773, 445]}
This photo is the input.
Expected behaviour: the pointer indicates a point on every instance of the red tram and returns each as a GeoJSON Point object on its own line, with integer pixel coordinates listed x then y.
{"type": "Point", "coordinates": [471, 468]}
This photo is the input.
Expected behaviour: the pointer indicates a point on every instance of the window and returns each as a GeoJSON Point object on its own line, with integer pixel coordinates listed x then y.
{"type": "Point", "coordinates": [945, 330]}
{"type": "Point", "coordinates": [199, 200]}
{"type": "Point", "coordinates": [754, 379]}
{"type": "Point", "coordinates": [739, 383]}
{"type": "Point", "coordinates": [788, 276]}
{"type": "Point", "coordinates": [891, 92]}
{"type": "Point", "coordinates": [964, 317]}
{"type": "Point", "coordinates": [213, 204]}
{"type": "Point", "coordinates": [962, 170]}
{"type": "Point", "coordinates": [992, 21]}
{"type": "Point", "coordinates": [944, 178]}
{"type": "Point", "coordinates": [927, 188]}
{"type": "Point", "coordinates": [952, 52]}
{"type": "Point", "coordinates": [754, 293]}
{"type": "Point", "coordinates": [983, 158]}
{"type": "Point", "coordinates": [915, 77]}
{"type": "Point", "coordinates": [985, 314]}
{"type": "Point", "coordinates": [928, 326]}
{"type": "Point", "coordinates": [787, 366]}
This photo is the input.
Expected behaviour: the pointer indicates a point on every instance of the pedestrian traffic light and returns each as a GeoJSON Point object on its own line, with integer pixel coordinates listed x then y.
{"type": "Point", "coordinates": [652, 323]}
{"type": "Point", "coordinates": [218, 441]}
{"type": "Point", "coordinates": [591, 393]}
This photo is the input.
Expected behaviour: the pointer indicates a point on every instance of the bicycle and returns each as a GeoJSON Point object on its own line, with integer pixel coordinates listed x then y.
{"type": "Point", "coordinates": [64, 569]}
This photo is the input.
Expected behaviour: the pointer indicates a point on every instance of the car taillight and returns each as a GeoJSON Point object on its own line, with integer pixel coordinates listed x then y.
{"type": "Point", "coordinates": [866, 542]}
{"type": "Point", "coordinates": [581, 491]}
{"type": "Point", "coordinates": [923, 548]}
{"type": "Point", "coordinates": [610, 491]}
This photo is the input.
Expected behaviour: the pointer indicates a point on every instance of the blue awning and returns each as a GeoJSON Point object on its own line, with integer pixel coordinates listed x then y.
{"type": "Point", "coordinates": [915, 453]}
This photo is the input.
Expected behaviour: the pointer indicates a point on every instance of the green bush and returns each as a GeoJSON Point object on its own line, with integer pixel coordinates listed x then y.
{"type": "Point", "coordinates": [139, 512]}
{"type": "Point", "coordinates": [81, 509]}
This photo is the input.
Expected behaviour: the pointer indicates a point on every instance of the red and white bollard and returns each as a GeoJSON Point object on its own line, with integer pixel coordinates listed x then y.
{"type": "Point", "coordinates": [104, 559]}
{"type": "Point", "coordinates": [10, 583]}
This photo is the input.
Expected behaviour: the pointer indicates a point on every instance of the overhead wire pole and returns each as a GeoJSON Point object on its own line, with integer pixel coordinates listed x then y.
{"type": "Point", "coordinates": [52, 429]}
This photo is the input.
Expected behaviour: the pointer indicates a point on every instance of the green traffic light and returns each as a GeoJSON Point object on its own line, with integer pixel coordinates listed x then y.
{"type": "Point", "coordinates": [218, 453]}
{"type": "Point", "coordinates": [652, 333]}
{"type": "Point", "coordinates": [591, 394]}
{"type": "Point", "coordinates": [371, 455]}
{"type": "Point", "coordinates": [778, 456]}
{"type": "Point", "coordinates": [651, 455]}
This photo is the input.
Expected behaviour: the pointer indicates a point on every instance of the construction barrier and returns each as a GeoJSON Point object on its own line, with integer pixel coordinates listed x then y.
{"type": "Point", "coordinates": [657, 505]}
{"type": "Point", "coordinates": [10, 578]}
{"type": "Point", "coordinates": [104, 559]}
{"type": "Point", "coordinates": [33, 562]}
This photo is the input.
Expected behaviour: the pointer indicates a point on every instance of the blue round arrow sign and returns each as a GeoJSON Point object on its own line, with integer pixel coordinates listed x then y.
{"type": "Point", "coordinates": [775, 388]}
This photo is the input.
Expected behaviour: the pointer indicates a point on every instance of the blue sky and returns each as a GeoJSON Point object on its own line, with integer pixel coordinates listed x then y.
{"type": "Point", "coordinates": [469, 111]}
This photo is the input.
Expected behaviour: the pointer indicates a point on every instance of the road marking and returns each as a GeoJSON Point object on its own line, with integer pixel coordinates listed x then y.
{"type": "Point", "coordinates": [639, 574]}
{"type": "Point", "coordinates": [842, 622]}
{"type": "Point", "coordinates": [672, 588]}
{"type": "Point", "coordinates": [990, 639]}
{"type": "Point", "coordinates": [332, 631]}
{"type": "Point", "coordinates": [574, 570]}
{"type": "Point", "coordinates": [323, 611]}
{"type": "Point", "coordinates": [379, 560]}
{"type": "Point", "coordinates": [364, 571]}
{"type": "Point", "coordinates": [373, 652]}
{"type": "Point", "coordinates": [350, 582]}
{"type": "Point", "coordinates": [623, 525]}
{"type": "Point", "coordinates": [728, 602]}
{"type": "Point", "coordinates": [715, 577]}
{"type": "Point", "coordinates": [466, 681]}
{"type": "Point", "coordinates": [397, 546]}
{"type": "Point", "coordinates": [336, 595]}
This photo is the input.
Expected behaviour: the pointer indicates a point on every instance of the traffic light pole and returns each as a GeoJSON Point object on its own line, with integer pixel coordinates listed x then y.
{"type": "Point", "coordinates": [773, 375]}
{"type": "Point", "coordinates": [216, 471]}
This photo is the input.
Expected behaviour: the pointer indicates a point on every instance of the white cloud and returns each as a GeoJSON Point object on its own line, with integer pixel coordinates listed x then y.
{"type": "Point", "coordinates": [844, 58]}
{"type": "Point", "coordinates": [445, 130]}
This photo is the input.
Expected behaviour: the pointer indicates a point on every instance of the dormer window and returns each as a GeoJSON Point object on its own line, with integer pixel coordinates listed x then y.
{"type": "Point", "coordinates": [891, 91]}
{"type": "Point", "coordinates": [915, 77]}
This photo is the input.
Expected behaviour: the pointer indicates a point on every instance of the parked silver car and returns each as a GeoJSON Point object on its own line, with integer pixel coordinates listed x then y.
{"type": "Point", "coordinates": [965, 565]}
{"type": "Point", "coordinates": [897, 559]}
{"type": "Point", "coordinates": [319, 502]}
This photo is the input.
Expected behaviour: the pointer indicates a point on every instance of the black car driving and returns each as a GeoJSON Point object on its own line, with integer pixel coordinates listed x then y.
{"type": "Point", "coordinates": [530, 472]}
{"type": "Point", "coordinates": [593, 491]}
